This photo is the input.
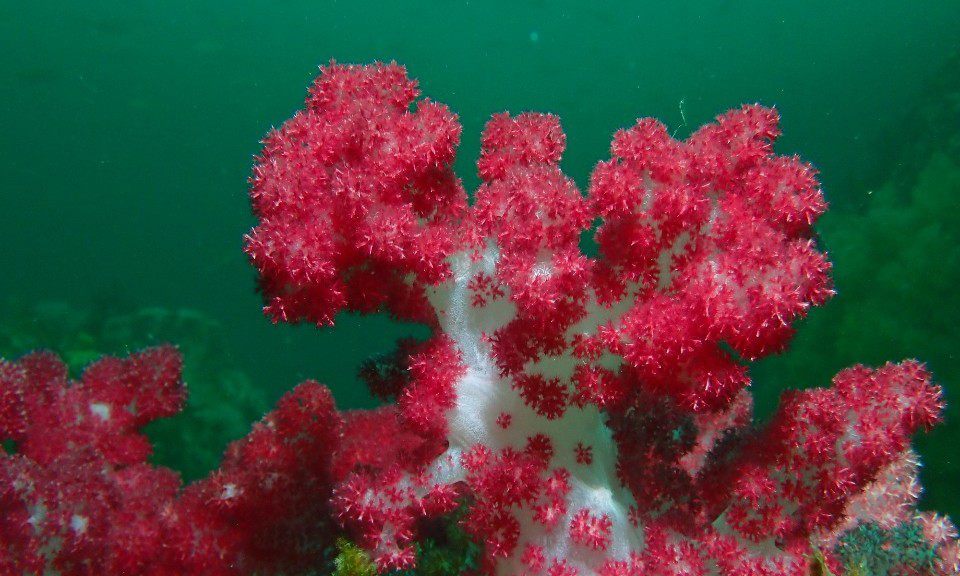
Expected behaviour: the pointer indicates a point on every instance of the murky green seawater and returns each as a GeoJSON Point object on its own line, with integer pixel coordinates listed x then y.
{"type": "Point", "coordinates": [128, 129]}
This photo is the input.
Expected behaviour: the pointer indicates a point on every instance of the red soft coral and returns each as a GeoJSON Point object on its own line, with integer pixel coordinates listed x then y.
{"type": "Point", "coordinates": [584, 409]}
{"type": "Point", "coordinates": [590, 415]}
{"type": "Point", "coordinates": [76, 494]}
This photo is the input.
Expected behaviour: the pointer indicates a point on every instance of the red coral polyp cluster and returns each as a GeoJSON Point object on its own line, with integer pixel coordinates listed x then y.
{"type": "Point", "coordinates": [593, 410]}
{"type": "Point", "coordinates": [354, 194]}
{"type": "Point", "coordinates": [79, 498]}
{"type": "Point", "coordinates": [577, 415]}
{"type": "Point", "coordinates": [77, 488]}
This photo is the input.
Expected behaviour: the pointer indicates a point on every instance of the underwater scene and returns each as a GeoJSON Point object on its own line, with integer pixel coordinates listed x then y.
{"type": "Point", "coordinates": [449, 288]}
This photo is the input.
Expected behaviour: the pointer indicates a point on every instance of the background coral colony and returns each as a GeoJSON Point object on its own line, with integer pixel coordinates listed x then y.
{"type": "Point", "coordinates": [581, 405]}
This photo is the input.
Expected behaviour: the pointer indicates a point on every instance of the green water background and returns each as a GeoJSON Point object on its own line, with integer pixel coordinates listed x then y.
{"type": "Point", "coordinates": [128, 130]}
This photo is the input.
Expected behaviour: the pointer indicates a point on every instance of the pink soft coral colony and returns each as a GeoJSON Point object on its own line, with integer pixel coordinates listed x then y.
{"type": "Point", "coordinates": [589, 414]}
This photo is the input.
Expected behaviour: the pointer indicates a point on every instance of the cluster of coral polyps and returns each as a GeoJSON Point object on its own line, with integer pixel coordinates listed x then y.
{"type": "Point", "coordinates": [77, 497]}
{"type": "Point", "coordinates": [576, 415]}
{"type": "Point", "coordinates": [592, 412]}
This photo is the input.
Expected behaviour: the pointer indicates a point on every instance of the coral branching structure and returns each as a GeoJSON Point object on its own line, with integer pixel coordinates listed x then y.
{"type": "Point", "coordinates": [574, 415]}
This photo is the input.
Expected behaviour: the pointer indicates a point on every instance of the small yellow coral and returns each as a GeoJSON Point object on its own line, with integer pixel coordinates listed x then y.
{"type": "Point", "coordinates": [351, 560]}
